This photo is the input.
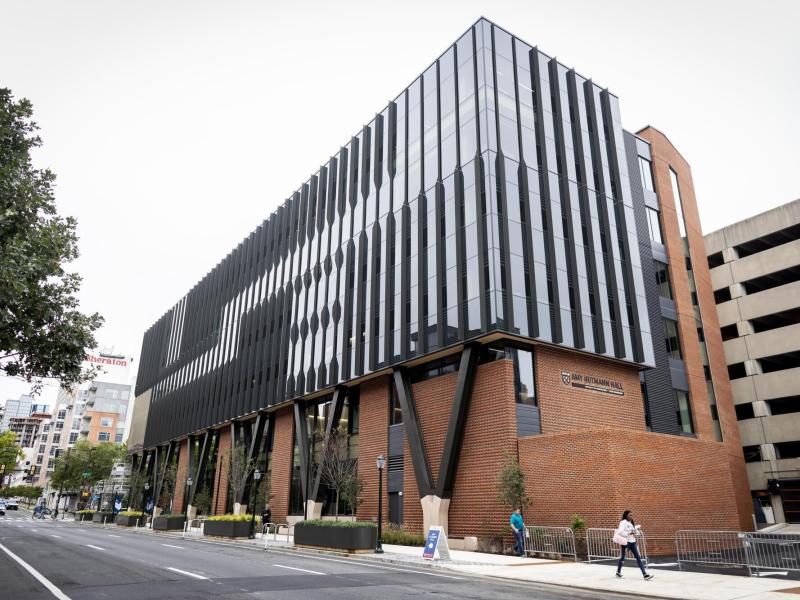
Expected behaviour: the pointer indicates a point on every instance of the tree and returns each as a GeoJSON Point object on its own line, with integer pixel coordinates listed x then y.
{"type": "Point", "coordinates": [10, 454]}
{"type": "Point", "coordinates": [339, 472]}
{"type": "Point", "coordinates": [42, 332]}
{"type": "Point", "coordinates": [239, 469]}
{"type": "Point", "coordinates": [263, 493]}
{"type": "Point", "coordinates": [511, 484]}
{"type": "Point", "coordinates": [168, 485]}
{"type": "Point", "coordinates": [86, 464]}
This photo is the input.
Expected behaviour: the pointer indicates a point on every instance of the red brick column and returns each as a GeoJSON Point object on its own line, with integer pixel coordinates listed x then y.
{"type": "Point", "coordinates": [373, 439]}
{"type": "Point", "coordinates": [281, 476]}
{"type": "Point", "coordinates": [220, 496]}
{"type": "Point", "coordinates": [180, 477]}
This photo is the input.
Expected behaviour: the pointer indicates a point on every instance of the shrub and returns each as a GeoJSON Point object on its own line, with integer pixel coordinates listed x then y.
{"type": "Point", "coordinates": [325, 523]}
{"type": "Point", "coordinates": [233, 518]}
{"type": "Point", "coordinates": [85, 511]}
{"type": "Point", "coordinates": [129, 513]}
{"type": "Point", "coordinates": [578, 523]}
{"type": "Point", "coordinates": [395, 534]}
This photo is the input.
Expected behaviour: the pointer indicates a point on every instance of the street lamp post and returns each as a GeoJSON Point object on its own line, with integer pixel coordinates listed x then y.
{"type": "Point", "coordinates": [256, 477]}
{"type": "Point", "coordinates": [144, 494]}
{"type": "Point", "coordinates": [381, 463]}
{"type": "Point", "coordinates": [188, 491]}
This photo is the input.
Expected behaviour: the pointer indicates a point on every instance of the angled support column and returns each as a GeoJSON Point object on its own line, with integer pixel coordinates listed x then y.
{"type": "Point", "coordinates": [160, 479]}
{"type": "Point", "coordinates": [457, 422]}
{"type": "Point", "coordinates": [255, 444]}
{"type": "Point", "coordinates": [416, 445]}
{"type": "Point", "coordinates": [301, 433]}
{"type": "Point", "coordinates": [205, 446]}
{"type": "Point", "coordinates": [314, 508]}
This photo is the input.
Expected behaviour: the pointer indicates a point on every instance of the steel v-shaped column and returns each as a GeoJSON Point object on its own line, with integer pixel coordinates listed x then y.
{"type": "Point", "coordinates": [337, 403]}
{"type": "Point", "coordinates": [201, 465]}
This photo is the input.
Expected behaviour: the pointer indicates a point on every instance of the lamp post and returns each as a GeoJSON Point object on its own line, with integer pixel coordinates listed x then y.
{"type": "Point", "coordinates": [188, 491]}
{"type": "Point", "coordinates": [381, 463]}
{"type": "Point", "coordinates": [144, 494]}
{"type": "Point", "coordinates": [256, 477]}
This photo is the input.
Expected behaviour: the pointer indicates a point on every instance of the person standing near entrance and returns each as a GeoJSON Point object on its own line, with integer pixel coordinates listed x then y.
{"type": "Point", "coordinates": [518, 525]}
{"type": "Point", "coordinates": [625, 536]}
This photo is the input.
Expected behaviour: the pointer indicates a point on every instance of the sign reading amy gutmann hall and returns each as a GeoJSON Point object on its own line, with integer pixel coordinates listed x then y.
{"type": "Point", "coordinates": [590, 382]}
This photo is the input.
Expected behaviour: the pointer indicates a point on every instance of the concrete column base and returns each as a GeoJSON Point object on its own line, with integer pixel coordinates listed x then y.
{"type": "Point", "coordinates": [314, 509]}
{"type": "Point", "coordinates": [191, 512]}
{"type": "Point", "coordinates": [435, 511]}
{"type": "Point", "coordinates": [157, 512]}
{"type": "Point", "coordinates": [237, 508]}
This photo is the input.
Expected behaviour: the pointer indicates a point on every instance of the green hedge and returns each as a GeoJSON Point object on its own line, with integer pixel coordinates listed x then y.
{"type": "Point", "coordinates": [326, 523]}
{"type": "Point", "coordinates": [401, 537]}
{"type": "Point", "coordinates": [129, 513]}
{"type": "Point", "coordinates": [234, 518]}
{"type": "Point", "coordinates": [86, 511]}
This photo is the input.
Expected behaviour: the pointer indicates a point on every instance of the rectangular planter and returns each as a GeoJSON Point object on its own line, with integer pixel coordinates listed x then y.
{"type": "Point", "coordinates": [83, 517]}
{"type": "Point", "coordinates": [126, 521]}
{"type": "Point", "coordinates": [168, 523]}
{"type": "Point", "coordinates": [227, 528]}
{"type": "Point", "coordinates": [342, 538]}
{"type": "Point", "coordinates": [98, 517]}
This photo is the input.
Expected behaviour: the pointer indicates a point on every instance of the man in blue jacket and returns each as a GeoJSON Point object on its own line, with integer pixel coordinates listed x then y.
{"type": "Point", "coordinates": [518, 525]}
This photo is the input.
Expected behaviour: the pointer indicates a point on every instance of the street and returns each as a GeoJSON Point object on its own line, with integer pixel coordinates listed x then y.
{"type": "Point", "coordinates": [82, 562]}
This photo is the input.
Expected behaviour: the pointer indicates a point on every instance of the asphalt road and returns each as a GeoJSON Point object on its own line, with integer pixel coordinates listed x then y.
{"type": "Point", "coordinates": [87, 562]}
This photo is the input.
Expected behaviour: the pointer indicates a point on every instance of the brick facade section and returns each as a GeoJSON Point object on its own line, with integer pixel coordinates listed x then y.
{"type": "Point", "coordinates": [220, 497]}
{"type": "Point", "coordinates": [670, 482]}
{"type": "Point", "coordinates": [281, 473]}
{"type": "Point", "coordinates": [373, 439]}
{"type": "Point", "coordinates": [565, 408]}
{"type": "Point", "coordinates": [665, 156]}
{"type": "Point", "coordinates": [180, 476]}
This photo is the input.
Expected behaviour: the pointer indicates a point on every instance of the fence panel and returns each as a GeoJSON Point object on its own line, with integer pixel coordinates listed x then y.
{"type": "Point", "coordinates": [599, 545]}
{"type": "Point", "coordinates": [710, 547]}
{"type": "Point", "coordinates": [550, 540]}
{"type": "Point", "coordinates": [772, 551]}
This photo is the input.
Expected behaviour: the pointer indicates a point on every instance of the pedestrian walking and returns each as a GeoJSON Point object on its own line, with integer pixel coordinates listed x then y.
{"type": "Point", "coordinates": [518, 525]}
{"type": "Point", "coordinates": [625, 536]}
{"type": "Point", "coordinates": [266, 517]}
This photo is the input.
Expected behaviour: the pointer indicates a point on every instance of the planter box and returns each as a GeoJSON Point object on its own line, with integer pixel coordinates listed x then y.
{"type": "Point", "coordinates": [342, 538]}
{"type": "Point", "coordinates": [227, 528]}
{"type": "Point", "coordinates": [98, 517]}
{"type": "Point", "coordinates": [83, 517]}
{"type": "Point", "coordinates": [168, 523]}
{"type": "Point", "coordinates": [126, 521]}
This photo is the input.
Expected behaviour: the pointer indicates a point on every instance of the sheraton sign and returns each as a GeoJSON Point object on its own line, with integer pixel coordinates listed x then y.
{"type": "Point", "coordinates": [106, 360]}
{"type": "Point", "coordinates": [592, 383]}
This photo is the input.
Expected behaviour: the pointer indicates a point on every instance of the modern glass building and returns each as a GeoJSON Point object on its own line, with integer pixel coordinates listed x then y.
{"type": "Point", "coordinates": [483, 246]}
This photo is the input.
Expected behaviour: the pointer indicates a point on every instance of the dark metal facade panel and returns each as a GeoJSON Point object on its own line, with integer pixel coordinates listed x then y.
{"type": "Point", "coordinates": [491, 194]}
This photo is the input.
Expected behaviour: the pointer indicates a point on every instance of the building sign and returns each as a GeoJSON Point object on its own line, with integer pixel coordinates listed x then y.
{"type": "Point", "coordinates": [592, 383]}
{"type": "Point", "coordinates": [107, 360]}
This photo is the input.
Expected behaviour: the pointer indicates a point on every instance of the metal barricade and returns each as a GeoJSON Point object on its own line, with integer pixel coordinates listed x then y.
{"type": "Point", "coordinates": [550, 540]}
{"type": "Point", "coordinates": [710, 547]}
{"type": "Point", "coordinates": [771, 551]}
{"type": "Point", "coordinates": [600, 546]}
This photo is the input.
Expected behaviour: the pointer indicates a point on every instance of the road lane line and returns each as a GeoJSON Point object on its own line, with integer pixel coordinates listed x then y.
{"type": "Point", "coordinates": [54, 535]}
{"type": "Point", "coordinates": [387, 568]}
{"type": "Point", "coordinates": [171, 546]}
{"type": "Point", "coordinates": [112, 535]}
{"type": "Point", "coordinates": [95, 547]}
{"type": "Point", "coordinates": [182, 572]}
{"type": "Point", "coordinates": [39, 577]}
{"type": "Point", "coordinates": [296, 569]}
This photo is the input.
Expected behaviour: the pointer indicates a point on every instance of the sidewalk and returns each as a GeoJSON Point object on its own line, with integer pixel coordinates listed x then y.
{"type": "Point", "coordinates": [680, 585]}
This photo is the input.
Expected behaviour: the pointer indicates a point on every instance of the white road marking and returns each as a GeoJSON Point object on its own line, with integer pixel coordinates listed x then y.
{"type": "Point", "coordinates": [195, 575]}
{"type": "Point", "coordinates": [54, 535]}
{"type": "Point", "coordinates": [112, 535]}
{"type": "Point", "coordinates": [171, 546]}
{"type": "Point", "coordinates": [770, 574]}
{"type": "Point", "coordinates": [296, 569]}
{"type": "Point", "coordinates": [95, 547]}
{"type": "Point", "coordinates": [39, 577]}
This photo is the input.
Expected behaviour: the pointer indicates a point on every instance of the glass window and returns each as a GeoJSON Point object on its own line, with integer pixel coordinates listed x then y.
{"type": "Point", "coordinates": [73, 437]}
{"type": "Point", "coordinates": [59, 424]}
{"type": "Point", "coordinates": [62, 414]}
{"type": "Point", "coordinates": [118, 438]}
{"type": "Point", "coordinates": [676, 194]}
{"type": "Point", "coordinates": [56, 438]}
{"type": "Point", "coordinates": [672, 339]}
{"type": "Point", "coordinates": [654, 225]}
{"type": "Point", "coordinates": [662, 280]}
{"type": "Point", "coordinates": [526, 383]}
{"type": "Point", "coordinates": [103, 436]}
{"type": "Point", "coordinates": [105, 422]}
{"type": "Point", "coordinates": [646, 171]}
{"type": "Point", "coordinates": [684, 410]}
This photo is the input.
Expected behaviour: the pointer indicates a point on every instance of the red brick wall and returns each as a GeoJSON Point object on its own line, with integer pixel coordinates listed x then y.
{"type": "Point", "coordinates": [373, 439]}
{"type": "Point", "coordinates": [565, 408]}
{"type": "Point", "coordinates": [180, 476]}
{"type": "Point", "coordinates": [670, 482]}
{"type": "Point", "coordinates": [490, 434]}
{"type": "Point", "coordinates": [665, 155]}
{"type": "Point", "coordinates": [281, 475]}
{"type": "Point", "coordinates": [220, 496]}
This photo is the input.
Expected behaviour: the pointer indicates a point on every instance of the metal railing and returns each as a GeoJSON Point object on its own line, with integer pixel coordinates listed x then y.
{"type": "Point", "coordinates": [276, 527]}
{"type": "Point", "coordinates": [600, 546]}
{"type": "Point", "coordinates": [771, 551]}
{"type": "Point", "coordinates": [710, 547]}
{"type": "Point", "coordinates": [550, 540]}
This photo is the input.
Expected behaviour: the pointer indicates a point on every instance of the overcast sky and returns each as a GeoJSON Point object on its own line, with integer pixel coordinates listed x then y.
{"type": "Point", "coordinates": [175, 128]}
